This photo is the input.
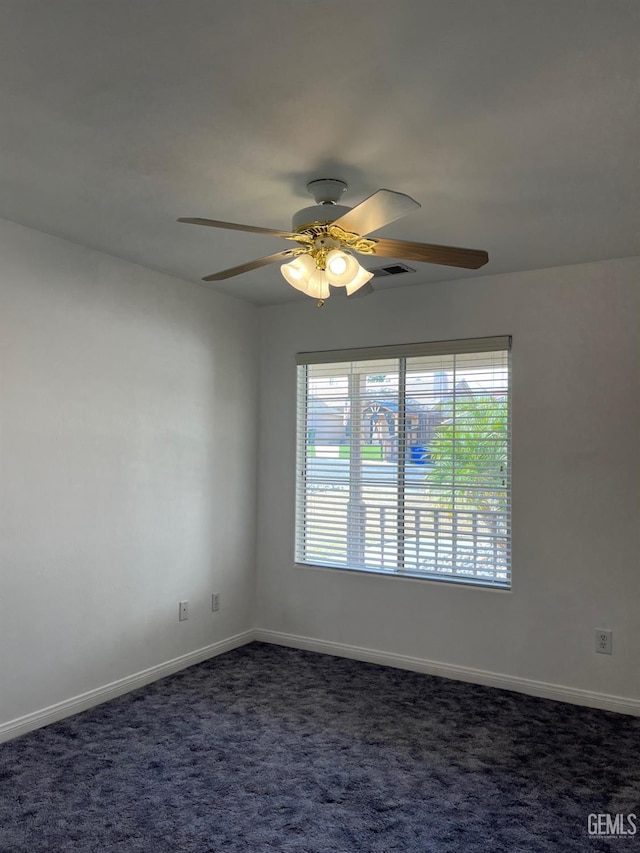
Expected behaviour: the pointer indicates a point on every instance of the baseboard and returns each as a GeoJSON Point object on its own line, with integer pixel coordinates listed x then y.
{"type": "Point", "coordinates": [22, 725]}
{"type": "Point", "coordinates": [557, 692]}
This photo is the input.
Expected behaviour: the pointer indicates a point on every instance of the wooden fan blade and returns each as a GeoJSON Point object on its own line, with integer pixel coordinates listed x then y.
{"type": "Point", "coordinates": [233, 226]}
{"type": "Point", "coordinates": [379, 209]}
{"type": "Point", "coordinates": [429, 253]}
{"type": "Point", "coordinates": [251, 265]}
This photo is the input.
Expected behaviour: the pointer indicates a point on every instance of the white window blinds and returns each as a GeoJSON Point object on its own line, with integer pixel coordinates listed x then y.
{"type": "Point", "coordinates": [403, 460]}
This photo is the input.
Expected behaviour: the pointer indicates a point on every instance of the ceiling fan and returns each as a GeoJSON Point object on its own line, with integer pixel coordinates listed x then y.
{"type": "Point", "coordinates": [328, 234]}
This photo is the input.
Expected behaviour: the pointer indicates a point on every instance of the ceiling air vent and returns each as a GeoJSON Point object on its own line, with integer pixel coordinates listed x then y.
{"type": "Point", "coordinates": [392, 269]}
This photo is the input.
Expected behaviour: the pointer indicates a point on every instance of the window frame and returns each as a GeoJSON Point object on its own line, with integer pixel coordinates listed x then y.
{"type": "Point", "coordinates": [402, 353]}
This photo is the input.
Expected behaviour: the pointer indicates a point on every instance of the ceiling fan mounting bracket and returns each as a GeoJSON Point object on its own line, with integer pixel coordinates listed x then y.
{"type": "Point", "coordinates": [327, 190]}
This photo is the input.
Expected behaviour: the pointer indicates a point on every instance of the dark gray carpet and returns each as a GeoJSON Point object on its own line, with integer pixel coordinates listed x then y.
{"type": "Point", "coordinates": [272, 749]}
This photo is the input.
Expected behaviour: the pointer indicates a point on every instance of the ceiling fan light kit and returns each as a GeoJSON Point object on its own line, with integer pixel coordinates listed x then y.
{"type": "Point", "coordinates": [312, 273]}
{"type": "Point", "coordinates": [328, 234]}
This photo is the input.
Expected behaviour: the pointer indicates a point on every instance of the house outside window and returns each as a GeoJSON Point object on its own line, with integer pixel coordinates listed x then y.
{"type": "Point", "coordinates": [404, 460]}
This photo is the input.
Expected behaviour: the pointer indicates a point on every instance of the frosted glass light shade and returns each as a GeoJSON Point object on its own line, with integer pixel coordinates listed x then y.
{"type": "Point", "coordinates": [361, 278]}
{"type": "Point", "coordinates": [298, 271]}
{"type": "Point", "coordinates": [303, 274]}
{"type": "Point", "coordinates": [341, 267]}
{"type": "Point", "coordinates": [337, 265]}
{"type": "Point", "coordinates": [318, 286]}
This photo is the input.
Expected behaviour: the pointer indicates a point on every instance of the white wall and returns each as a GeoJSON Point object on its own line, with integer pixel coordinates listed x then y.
{"type": "Point", "coordinates": [128, 409]}
{"type": "Point", "coordinates": [576, 476]}
{"type": "Point", "coordinates": [128, 413]}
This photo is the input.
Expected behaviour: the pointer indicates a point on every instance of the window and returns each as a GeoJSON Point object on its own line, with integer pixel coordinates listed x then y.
{"type": "Point", "coordinates": [403, 460]}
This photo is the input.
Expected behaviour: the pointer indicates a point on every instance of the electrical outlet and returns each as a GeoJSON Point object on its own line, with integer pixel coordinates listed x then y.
{"type": "Point", "coordinates": [215, 602]}
{"type": "Point", "coordinates": [183, 611]}
{"type": "Point", "coordinates": [604, 642]}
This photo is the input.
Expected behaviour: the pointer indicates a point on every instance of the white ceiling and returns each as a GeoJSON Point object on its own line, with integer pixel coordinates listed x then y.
{"type": "Point", "coordinates": [515, 123]}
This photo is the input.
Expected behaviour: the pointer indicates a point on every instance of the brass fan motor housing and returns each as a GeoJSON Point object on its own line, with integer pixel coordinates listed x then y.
{"type": "Point", "coordinates": [319, 239]}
